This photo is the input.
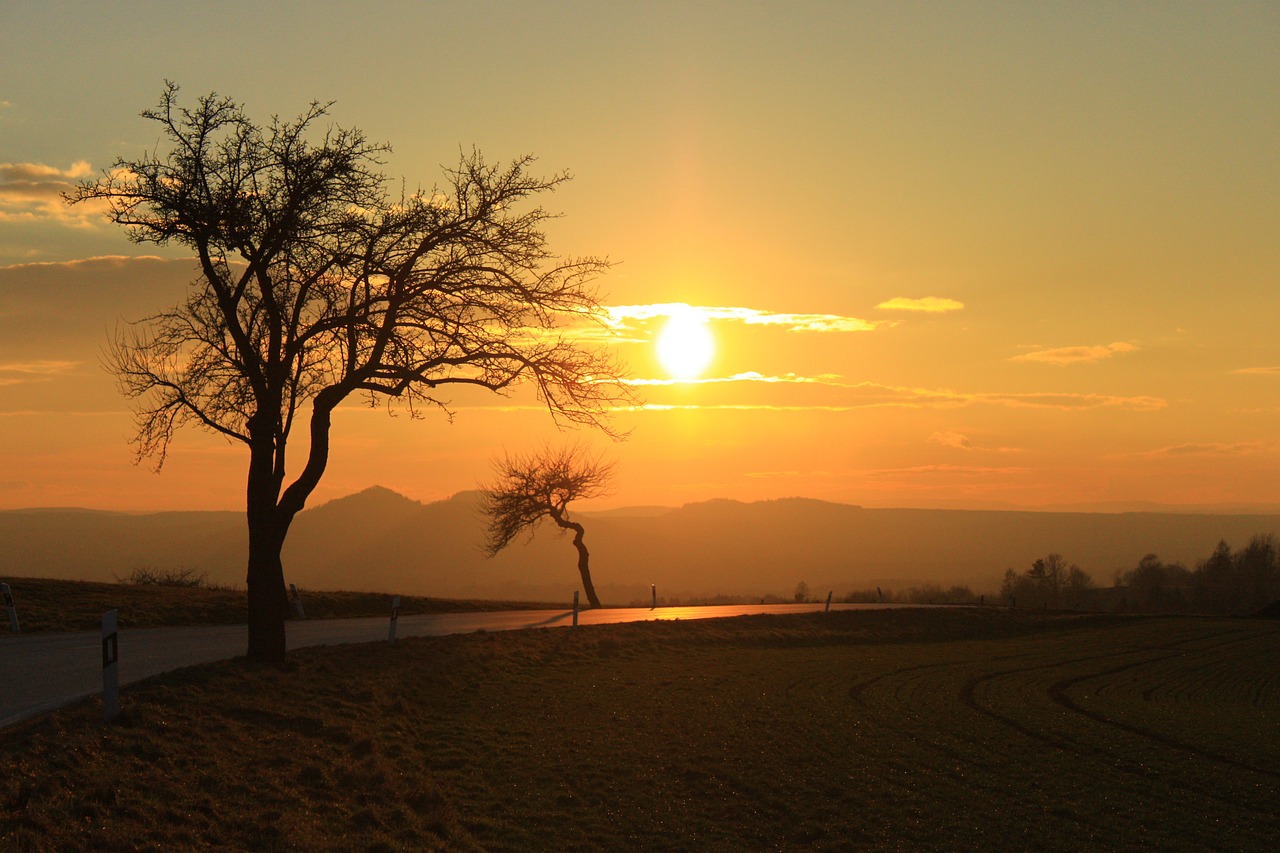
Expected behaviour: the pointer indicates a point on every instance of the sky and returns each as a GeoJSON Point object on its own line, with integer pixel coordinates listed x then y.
{"type": "Point", "coordinates": [958, 255]}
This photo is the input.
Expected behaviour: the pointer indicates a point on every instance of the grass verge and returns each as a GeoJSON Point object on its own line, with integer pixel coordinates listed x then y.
{"type": "Point", "coordinates": [898, 729]}
{"type": "Point", "coordinates": [45, 604]}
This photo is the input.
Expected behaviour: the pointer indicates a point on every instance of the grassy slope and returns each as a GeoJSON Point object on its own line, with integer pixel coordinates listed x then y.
{"type": "Point", "coordinates": [61, 605]}
{"type": "Point", "coordinates": [940, 729]}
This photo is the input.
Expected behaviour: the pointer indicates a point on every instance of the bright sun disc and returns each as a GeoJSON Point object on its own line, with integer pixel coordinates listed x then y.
{"type": "Point", "coordinates": [685, 346]}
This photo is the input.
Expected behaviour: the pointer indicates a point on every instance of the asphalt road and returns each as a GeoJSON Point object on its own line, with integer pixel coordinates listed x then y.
{"type": "Point", "coordinates": [40, 672]}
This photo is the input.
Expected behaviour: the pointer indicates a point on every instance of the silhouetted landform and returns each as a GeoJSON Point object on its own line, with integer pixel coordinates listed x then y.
{"type": "Point", "coordinates": [380, 541]}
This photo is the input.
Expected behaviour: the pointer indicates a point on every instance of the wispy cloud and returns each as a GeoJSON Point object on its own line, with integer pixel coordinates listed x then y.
{"type": "Point", "coordinates": [960, 441]}
{"type": "Point", "coordinates": [1207, 448]}
{"type": "Point", "coordinates": [105, 262]}
{"type": "Point", "coordinates": [831, 393]}
{"type": "Point", "coordinates": [621, 317]}
{"type": "Point", "coordinates": [38, 368]}
{"type": "Point", "coordinates": [952, 439]}
{"type": "Point", "coordinates": [32, 192]}
{"type": "Point", "coordinates": [1258, 371]}
{"type": "Point", "coordinates": [925, 304]}
{"type": "Point", "coordinates": [951, 470]}
{"type": "Point", "coordinates": [749, 376]}
{"type": "Point", "coordinates": [18, 372]}
{"type": "Point", "coordinates": [1075, 355]}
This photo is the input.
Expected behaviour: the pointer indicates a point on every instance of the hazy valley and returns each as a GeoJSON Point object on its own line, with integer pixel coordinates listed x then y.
{"type": "Point", "coordinates": [377, 540]}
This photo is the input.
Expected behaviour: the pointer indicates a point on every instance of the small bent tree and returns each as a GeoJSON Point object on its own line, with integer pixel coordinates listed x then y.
{"type": "Point", "coordinates": [316, 284]}
{"type": "Point", "coordinates": [539, 486]}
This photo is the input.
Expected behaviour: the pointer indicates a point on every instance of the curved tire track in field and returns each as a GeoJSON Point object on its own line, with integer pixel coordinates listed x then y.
{"type": "Point", "coordinates": [1057, 692]}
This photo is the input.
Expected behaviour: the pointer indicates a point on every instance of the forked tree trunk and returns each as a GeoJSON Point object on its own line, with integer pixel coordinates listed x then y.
{"type": "Point", "coordinates": [269, 517]}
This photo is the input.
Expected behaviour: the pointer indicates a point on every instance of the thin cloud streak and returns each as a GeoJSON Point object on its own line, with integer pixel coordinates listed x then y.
{"type": "Point", "coordinates": [33, 371]}
{"type": "Point", "coordinates": [1075, 355]}
{"type": "Point", "coordinates": [617, 316]}
{"type": "Point", "coordinates": [748, 376]}
{"type": "Point", "coordinates": [1206, 448]}
{"type": "Point", "coordinates": [924, 304]}
{"type": "Point", "coordinates": [873, 395]}
{"type": "Point", "coordinates": [39, 368]}
{"type": "Point", "coordinates": [962, 470]}
{"type": "Point", "coordinates": [960, 441]}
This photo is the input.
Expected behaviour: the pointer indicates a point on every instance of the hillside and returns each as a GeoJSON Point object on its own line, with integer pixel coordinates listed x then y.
{"type": "Point", "coordinates": [378, 540]}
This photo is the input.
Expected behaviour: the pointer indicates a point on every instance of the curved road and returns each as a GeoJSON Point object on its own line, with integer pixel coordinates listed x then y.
{"type": "Point", "coordinates": [40, 672]}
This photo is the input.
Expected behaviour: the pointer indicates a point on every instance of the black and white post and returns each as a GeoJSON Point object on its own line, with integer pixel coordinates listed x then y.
{"type": "Point", "coordinates": [110, 674]}
{"type": "Point", "coordinates": [13, 611]}
{"type": "Point", "coordinates": [395, 616]}
{"type": "Point", "coordinates": [653, 588]}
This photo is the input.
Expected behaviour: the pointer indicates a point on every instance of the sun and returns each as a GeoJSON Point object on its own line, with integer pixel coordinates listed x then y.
{"type": "Point", "coordinates": [685, 345]}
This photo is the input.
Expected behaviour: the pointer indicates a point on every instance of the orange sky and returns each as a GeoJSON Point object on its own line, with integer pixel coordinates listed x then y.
{"type": "Point", "coordinates": [971, 255]}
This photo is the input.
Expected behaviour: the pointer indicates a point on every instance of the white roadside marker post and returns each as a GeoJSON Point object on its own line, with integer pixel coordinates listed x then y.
{"type": "Point", "coordinates": [827, 609]}
{"type": "Point", "coordinates": [110, 674]}
{"type": "Point", "coordinates": [297, 601]}
{"type": "Point", "coordinates": [13, 611]}
{"type": "Point", "coordinates": [575, 608]}
{"type": "Point", "coordinates": [395, 615]}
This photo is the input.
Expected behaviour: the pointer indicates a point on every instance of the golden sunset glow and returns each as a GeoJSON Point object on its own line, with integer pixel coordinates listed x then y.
{"type": "Point", "coordinates": [685, 346]}
{"type": "Point", "coordinates": [991, 256]}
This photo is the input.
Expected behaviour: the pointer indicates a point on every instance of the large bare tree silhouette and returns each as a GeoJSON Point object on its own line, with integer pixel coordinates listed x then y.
{"type": "Point", "coordinates": [315, 283]}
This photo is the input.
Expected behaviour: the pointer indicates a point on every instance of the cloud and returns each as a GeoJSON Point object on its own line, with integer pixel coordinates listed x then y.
{"type": "Point", "coordinates": [620, 317]}
{"type": "Point", "coordinates": [39, 368]}
{"type": "Point", "coordinates": [1075, 355]}
{"type": "Point", "coordinates": [830, 393]}
{"type": "Point", "coordinates": [749, 376]}
{"type": "Point", "coordinates": [924, 304]}
{"type": "Point", "coordinates": [1208, 448]}
{"type": "Point", "coordinates": [31, 192]}
{"type": "Point", "coordinates": [33, 371]}
{"type": "Point", "coordinates": [952, 439]}
{"type": "Point", "coordinates": [1258, 371]}
{"type": "Point", "coordinates": [960, 470]}
{"type": "Point", "coordinates": [960, 441]}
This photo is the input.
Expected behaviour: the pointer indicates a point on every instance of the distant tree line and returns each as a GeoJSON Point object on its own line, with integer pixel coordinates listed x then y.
{"type": "Point", "coordinates": [1226, 582]}
{"type": "Point", "coordinates": [1050, 582]}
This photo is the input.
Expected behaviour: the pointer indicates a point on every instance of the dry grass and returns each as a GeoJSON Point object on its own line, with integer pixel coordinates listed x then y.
{"type": "Point", "coordinates": [939, 729]}
{"type": "Point", "coordinates": [45, 604]}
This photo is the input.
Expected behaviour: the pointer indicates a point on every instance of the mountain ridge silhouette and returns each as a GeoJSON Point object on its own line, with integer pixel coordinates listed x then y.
{"type": "Point", "coordinates": [379, 540]}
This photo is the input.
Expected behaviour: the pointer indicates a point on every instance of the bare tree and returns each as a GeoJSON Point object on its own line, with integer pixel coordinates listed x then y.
{"type": "Point", "coordinates": [315, 283]}
{"type": "Point", "coordinates": [541, 485]}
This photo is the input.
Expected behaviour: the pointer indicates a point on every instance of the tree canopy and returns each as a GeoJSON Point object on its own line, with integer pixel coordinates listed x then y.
{"type": "Point", "coordinates": [538, 486]}
{"type": "Point", "coordinates": [316, 282]}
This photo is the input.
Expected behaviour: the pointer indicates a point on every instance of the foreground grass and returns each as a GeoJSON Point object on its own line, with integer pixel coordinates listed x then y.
{"type": "Point", "coordinates": [46, 604]}
{"type": "Point", "coordinates": [937, 729]}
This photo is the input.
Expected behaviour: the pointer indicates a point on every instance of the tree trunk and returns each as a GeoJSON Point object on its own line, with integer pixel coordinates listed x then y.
{"type": "Point", "coordinates": [268, 601]}
{"type": "Point", "coordinates": [270, 514]}
{"type": "Point", "coordinates": [583, 568]}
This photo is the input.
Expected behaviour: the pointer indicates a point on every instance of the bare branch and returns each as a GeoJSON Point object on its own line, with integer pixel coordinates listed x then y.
{"type": "Point", "coordinates": [538, 486]}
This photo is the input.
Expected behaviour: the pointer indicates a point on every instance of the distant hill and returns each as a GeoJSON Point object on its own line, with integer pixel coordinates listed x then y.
{"type": "Point", "coordinates": [378, 540]}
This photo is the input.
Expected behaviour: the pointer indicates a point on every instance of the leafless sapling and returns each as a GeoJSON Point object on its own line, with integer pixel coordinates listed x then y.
{"type": "Point", "coordinates": [539, 486]}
